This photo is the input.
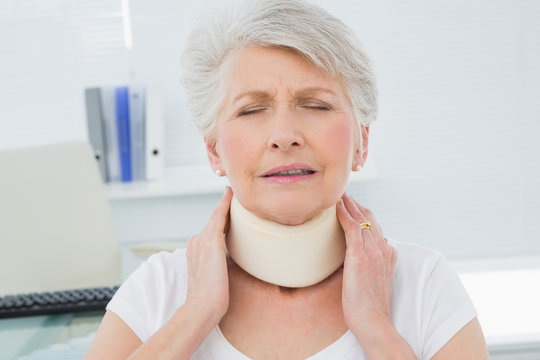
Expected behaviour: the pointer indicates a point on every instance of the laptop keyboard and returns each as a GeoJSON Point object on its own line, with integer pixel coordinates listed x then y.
{"type": "Point", "coordinates": [56, 302]}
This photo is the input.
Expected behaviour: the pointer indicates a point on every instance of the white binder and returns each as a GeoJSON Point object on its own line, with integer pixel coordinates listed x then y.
{"type": "Point", "coordinates": [96, 131]}
{"type": "Point", "coordinates": [154, 132]}
{"type": "Point", "coordinates": [137, 130]}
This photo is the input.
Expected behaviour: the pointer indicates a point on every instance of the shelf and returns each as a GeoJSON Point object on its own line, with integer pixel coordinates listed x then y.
{"type": "Point", "coordinates": [195, 180]}
{"type": "Point", "coordinates": [179, 181]}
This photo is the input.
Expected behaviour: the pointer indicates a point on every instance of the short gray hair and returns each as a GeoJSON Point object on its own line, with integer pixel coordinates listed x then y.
{"type": "Point", "coordinates": [305, 28]}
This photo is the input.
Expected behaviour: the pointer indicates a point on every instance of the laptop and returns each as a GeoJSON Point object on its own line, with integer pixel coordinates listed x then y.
{"type": "Point", "coordinates": [56, 228]}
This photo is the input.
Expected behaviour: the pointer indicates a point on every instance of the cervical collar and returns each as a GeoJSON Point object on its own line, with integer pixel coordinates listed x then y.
{"type": "Point", "coordinates": [291, 256]}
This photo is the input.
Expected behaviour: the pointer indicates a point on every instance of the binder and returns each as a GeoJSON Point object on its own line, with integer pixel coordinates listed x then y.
{"type": "Point", "coordinates": [154, 132]}
{"type": "Point", "coordinates": [137, 129]}
{"type": "Point", "coordinates": [122, 127]}
{"type": "Point", "coordinates": [108, 109]}
{"type": "Point", "coordinates": [96, 131]}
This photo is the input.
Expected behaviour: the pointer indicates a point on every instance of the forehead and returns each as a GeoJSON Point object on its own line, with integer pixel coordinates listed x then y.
{"type": "Point", "coordinates": [265, 68]}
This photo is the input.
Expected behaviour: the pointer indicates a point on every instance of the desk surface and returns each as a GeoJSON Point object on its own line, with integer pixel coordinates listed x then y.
{"type": "Point", "coordinates": [65, 336]}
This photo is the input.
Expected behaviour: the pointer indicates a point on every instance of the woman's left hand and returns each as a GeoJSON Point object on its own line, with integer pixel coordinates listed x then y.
{"type": "Point", "coordinates": [367, 274]}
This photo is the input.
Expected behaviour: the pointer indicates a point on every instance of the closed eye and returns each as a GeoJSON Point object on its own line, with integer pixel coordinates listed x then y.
{"type": "Point", "coordinates": [316, 106]}
{"type": "Point", "coordinates": [250, 111]}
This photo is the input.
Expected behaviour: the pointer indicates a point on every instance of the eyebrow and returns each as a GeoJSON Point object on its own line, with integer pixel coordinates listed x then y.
{"type": "Point", "coordinates": [314, 90]}
{"type": "Point", "coordinates": [258, 94]}
{"type": "Point", "coordinates": [261, 94]}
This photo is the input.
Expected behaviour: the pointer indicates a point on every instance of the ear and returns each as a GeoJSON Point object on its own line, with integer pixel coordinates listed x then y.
{"type": "Point", "coordinates": [361, 152]}
{"type": "Point", "coordinates": [211, 151]}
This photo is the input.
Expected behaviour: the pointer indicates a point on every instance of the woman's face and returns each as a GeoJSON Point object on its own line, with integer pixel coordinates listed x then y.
{"type": "Point", "coordinates": [285, 136]}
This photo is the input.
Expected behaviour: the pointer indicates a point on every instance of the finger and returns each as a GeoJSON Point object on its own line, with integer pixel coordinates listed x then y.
{"type": "Point", "coordinates": [192, 244]}
{"type": "Point", "coordinates": [353, 209]}
{"type": "Point", "coordinates": [348, 223]}
{"type": "Point", "coordinates": [394, 258]}
{"type": "Point", "coordinates": [357, 214]}
{"type": "Point", "coordinates": [355, 235]}
{"type": "Point", "coordinates": [390, 269]}
{"type": "Point", "coordinates": [373, 236]}
{"type": "Point", "coordinates": [367, 213]}
{"type": "Point", "coordinates": [220, 217]}
{"type": "Point", "coordinates": [375, 227]}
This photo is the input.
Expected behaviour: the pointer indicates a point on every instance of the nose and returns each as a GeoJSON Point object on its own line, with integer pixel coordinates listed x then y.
{"type": "Point", "coordinates": [285, 132]}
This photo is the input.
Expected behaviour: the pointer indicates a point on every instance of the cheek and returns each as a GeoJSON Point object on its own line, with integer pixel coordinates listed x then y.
{"type": "Point", "coordinates": [339, 140]}
{"type": "Point", "coordinates": [335, 150]}
{"type": "Point", "coordinates": [235, 146]}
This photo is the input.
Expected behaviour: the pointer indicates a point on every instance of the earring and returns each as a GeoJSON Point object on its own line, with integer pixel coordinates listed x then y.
{"type": "Point", "coordinates": [356, 168]}
{"type": "Point", "coordinates": [218, 172]}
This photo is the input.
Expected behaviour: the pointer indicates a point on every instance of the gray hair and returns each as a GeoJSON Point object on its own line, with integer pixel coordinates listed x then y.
{"type": "Point", "coordinates": [305, 28]}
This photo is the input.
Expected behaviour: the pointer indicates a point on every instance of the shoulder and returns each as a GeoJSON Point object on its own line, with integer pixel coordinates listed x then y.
{"type": "Point", "coordinates": [149, 296]}
{"type": "Point", "coordinates": [421, 271]}
{"type": "Point", "coordinates": [161, 271]}
{"type": "Point", "coordinates": [415, 265]}
{"type": "Point", "coordinates": [172, 263]}
{"type": "Point", "coordinates": [429, 303]}
{"type": "Point", "coordinates": [414, 258]}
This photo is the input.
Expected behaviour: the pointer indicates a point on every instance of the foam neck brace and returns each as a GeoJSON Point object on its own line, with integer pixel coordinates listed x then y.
{"type": "Point", "coordinates": [291, 256]}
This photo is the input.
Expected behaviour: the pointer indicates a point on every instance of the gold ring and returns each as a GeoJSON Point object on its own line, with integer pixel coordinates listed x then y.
{"type": "Point", "coordinates": [365, 225]}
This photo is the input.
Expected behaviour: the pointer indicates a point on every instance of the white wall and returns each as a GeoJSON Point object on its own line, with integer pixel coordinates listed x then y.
{"type": "Point", "coordinates": [455, 143]}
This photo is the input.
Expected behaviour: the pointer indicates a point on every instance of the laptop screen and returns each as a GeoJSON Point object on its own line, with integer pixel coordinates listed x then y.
{"type": "Point", "coordinates": [56, 229]}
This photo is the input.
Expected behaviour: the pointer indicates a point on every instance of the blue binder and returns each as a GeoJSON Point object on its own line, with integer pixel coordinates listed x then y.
{"type": "Point", "coordinates": [122, 123]}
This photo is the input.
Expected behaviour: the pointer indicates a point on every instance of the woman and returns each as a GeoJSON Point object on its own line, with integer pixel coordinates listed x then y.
{"type": "Point", "coordinates": [284, 96]}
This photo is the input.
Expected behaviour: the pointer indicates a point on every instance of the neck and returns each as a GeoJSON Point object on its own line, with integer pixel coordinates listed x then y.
{"type": "Point", "coordinates": [289, 256]}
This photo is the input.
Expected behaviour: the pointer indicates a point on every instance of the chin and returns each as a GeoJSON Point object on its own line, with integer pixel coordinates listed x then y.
{"type": "Point", "coordinates": [289, 207]}
{"type": "Point", "coordinates": [290, 212]}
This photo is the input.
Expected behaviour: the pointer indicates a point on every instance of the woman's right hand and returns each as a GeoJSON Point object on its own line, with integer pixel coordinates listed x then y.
{"type": "Point", "coordinates": [206, 302]}
{"type": "Point", "coordinates": [208, 282]}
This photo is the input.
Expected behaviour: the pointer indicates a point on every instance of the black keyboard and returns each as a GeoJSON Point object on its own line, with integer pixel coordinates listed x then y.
{"type": "Point", "coordinates": [56, 302]}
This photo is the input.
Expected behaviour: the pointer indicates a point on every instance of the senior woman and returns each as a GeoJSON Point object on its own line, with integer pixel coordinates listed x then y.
{"type": "Point", "coordinates": [289, 267]}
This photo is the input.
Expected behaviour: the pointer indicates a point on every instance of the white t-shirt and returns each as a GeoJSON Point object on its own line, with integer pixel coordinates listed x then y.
{"type": "Point", "coordinates": [429, 304]}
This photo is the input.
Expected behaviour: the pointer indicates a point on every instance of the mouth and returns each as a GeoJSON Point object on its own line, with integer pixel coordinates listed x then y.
{"type": "Point", "coordinates": [289, 174]}
{"type": "Point", "coordinates": [295, 172]}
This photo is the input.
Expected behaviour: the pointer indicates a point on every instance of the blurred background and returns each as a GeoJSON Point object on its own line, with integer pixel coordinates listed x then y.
{"type": "Point", "coordinates": [455, 146]}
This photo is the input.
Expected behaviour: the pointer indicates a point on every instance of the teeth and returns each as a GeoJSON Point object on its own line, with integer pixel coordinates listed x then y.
{"type": "Point", "coordinates": [292, 172]}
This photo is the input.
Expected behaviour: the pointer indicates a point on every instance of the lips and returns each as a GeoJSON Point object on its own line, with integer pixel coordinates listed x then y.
{"type": "Point", "coordinates": [289, 170]}
{"type": "Point", "coordinates": [291, 173]}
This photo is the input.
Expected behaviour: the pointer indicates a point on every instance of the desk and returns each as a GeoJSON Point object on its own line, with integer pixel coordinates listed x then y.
{"type": "Point", "coordinates": [65, 336]}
